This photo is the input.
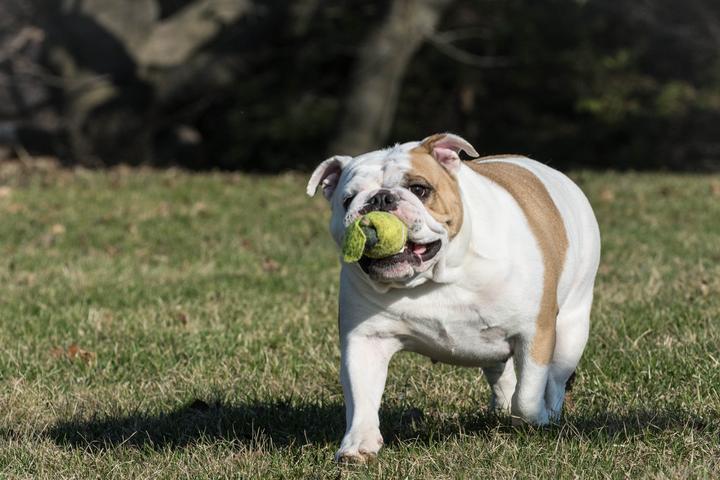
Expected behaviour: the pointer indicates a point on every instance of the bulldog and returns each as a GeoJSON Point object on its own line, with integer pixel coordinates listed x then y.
{"type": "Point", "coordinates": [497, 273]}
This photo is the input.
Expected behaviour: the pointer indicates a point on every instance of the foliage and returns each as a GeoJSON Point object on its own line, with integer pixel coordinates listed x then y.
{"type": "Point", "coordinates": [597, 83]}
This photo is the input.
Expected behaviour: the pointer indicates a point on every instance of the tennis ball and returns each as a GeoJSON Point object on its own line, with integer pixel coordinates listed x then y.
{"type": "Point", "coordinates": [376, 235]}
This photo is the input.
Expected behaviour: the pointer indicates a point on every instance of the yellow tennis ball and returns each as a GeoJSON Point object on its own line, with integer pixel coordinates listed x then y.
{"type": "Point", "coordinates": [376, 235]}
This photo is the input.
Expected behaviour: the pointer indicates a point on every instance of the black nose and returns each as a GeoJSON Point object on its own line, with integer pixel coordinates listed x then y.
{"type": "Point", "coordinates": [383, 200]}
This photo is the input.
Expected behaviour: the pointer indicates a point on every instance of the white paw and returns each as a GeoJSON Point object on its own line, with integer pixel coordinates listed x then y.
{"type": "Point", "coordinates": [361, 446]}
{"type": "Point", "coordinates": [500, 404]}
{"type": "Point", "coordinates": [555, 406]}
{"type": "Point", "coordinates": [538, 417]}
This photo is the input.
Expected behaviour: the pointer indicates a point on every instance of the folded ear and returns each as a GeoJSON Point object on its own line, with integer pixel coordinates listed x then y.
{"type": "Point", "coordinates": [445, 148]}
{"type": "Point", "coordinates": [327, 175]}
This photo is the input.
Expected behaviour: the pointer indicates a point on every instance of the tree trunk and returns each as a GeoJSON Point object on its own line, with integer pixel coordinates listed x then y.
{"type": "Point", "coordinates": [372, 100]}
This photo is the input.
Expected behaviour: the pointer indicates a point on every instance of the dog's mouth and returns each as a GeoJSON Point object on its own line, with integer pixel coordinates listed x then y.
{"type": "Point", "coordinates": [401, 265]}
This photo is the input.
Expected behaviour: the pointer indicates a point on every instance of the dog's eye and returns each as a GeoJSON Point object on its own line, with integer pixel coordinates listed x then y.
{"type": "Point", "coordinates": [420, 191]}
{"type": "Point", "coordinates": [348, 201]}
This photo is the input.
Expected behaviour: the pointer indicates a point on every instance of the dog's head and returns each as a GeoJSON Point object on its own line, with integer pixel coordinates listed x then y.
{"type": "Point", "coordinates": [415, 181]}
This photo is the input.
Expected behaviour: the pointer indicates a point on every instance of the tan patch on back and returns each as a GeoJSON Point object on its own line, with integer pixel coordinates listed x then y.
{"type": "Point", "coordinates": [548, 228]}
{"type": "Point", "coordinates": [444, 203]}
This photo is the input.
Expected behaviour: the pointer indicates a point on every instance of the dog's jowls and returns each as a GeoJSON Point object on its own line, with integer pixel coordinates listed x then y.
{"type": "Point", "coordinates": [498, 273]}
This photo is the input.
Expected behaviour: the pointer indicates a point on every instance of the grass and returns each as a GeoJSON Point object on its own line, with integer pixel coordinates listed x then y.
{"type": "Point", "coordinates": [175, 325]}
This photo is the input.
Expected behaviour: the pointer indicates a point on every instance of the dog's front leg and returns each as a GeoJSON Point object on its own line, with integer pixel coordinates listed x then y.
{"type": "Point", "coordinates": [363, 370]}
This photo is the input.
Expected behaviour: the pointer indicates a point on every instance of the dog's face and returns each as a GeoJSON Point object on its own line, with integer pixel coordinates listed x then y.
{"type": "Point", "coordinates": [414, 181]}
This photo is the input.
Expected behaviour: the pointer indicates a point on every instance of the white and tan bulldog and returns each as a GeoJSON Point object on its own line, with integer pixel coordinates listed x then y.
{"type": "Point", "coordinates": [497, 273]}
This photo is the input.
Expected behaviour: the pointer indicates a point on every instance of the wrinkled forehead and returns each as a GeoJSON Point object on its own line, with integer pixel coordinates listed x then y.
{"type": "Point", "coordinates": [381, 168]}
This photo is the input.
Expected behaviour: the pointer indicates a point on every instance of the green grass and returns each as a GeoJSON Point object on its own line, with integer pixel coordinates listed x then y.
{"type": "Point", "coordinates": [204, 310]}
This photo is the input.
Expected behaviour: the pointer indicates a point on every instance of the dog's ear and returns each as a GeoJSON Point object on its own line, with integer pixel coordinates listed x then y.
{"type": "Point", "coordinates": [445, 148]}
{"type": "Point", "coordinates": [327, 175]}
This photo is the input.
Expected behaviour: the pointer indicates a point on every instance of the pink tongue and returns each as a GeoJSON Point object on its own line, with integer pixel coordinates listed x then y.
{"type": "Point", "coordinates": [419, 249]}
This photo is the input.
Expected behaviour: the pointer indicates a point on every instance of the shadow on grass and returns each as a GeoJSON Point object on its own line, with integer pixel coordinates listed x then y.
{"type": "Point", "coordinates": [609, 425]}
{"type": "Point", "coordinates": [282, 423]}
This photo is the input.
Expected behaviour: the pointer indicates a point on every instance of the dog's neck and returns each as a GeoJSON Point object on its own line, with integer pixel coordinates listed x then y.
{"type": "Point", "coordinates": [449, 268]}
{"type": "Point", "coordinates": [467, 254]}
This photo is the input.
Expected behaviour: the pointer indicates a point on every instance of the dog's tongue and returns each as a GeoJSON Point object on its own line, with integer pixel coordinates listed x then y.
{"type": "Point", "coordinates": [418, 249]}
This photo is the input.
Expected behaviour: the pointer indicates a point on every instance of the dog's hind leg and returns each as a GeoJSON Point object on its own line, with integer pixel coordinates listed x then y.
{"type": "Point", "coordinates": [502, 381]}
{"type": "Point", "coordinates": [532, 370]}
{"type": "Point", "coordinates": [573, 324]}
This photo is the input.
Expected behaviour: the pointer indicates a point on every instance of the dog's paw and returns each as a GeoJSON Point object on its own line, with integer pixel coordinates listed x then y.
{"type": "Point", "coordinates": [359, 447]}
{"type": "Point", "coordinates": [359, 457]}
{"type": "Point", "coordinates": [500, 405]}
{"type": "Point", "coordinates": [532, 412]}
{"type": "Point", "coordinates": [537, 417]}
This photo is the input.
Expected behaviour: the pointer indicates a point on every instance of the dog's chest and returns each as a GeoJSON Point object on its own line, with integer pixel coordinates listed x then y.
{"type": "Point", "coordinates": [453, 327]}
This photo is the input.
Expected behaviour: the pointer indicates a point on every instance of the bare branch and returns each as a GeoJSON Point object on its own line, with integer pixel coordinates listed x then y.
{"type": "Point", "coordinates": [175, 39]}
{"type": "Point", "coordinates": [466, 57]}
{"type": "Point", "coordinates": [458, 34]}
{"type": "Point", "coordinates": [26, 36]}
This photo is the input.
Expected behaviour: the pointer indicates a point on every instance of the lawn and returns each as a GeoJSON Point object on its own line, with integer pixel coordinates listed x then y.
{"type": "Point", "coordinates": [163, 324]}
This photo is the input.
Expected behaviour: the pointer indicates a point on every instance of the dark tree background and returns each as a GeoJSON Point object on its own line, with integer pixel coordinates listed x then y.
{"type": "Point", "coordinates": [275, 85]}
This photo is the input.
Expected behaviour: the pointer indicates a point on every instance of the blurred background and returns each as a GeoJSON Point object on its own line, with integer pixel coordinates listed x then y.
{"type": "Point", "coordinates": [279, 85]}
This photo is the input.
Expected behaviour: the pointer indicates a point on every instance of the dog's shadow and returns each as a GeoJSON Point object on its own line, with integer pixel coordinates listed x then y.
{"type": "Point", "coordinates": [282, 422]}
{"type": "Point", "coordinates": [286, 423]}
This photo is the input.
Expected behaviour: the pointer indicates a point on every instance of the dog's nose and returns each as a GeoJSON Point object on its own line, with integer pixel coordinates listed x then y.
{"type": "Point", "coordinates": [383, 200]}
